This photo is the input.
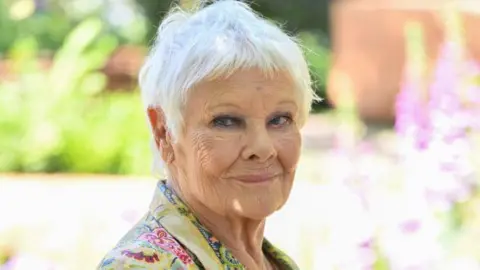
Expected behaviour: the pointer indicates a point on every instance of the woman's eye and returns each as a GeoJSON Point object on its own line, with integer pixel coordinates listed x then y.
{"type": "Point", "coordinates": [281, 120]}
{"type": "Point", "coordinates": [226, 121]}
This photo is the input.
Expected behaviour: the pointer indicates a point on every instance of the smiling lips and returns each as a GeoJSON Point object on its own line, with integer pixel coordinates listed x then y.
{"type": "Point", "coordinates": [257, 178]}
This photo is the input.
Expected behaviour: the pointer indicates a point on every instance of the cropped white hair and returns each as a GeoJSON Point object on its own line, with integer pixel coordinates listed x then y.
{"type": "Point", "coordinates": [211, 41]}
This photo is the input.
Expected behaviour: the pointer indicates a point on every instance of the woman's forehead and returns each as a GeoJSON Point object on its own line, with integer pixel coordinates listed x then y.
{"type": "Point", "coordinates": [247, 84]}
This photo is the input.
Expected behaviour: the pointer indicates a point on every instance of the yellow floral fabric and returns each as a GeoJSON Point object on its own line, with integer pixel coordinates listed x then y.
{"type": "Point", "coordinates": [169, 236]}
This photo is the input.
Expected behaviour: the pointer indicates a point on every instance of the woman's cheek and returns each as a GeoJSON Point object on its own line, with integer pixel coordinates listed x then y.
{"type": "Point", "coordinates": [288, 146]}
{"type": "Point", "coordinates": [217, 152]}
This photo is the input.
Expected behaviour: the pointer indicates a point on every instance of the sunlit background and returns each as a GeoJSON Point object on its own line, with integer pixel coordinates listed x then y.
{"type": "Point", "coordinates": [388, 178]}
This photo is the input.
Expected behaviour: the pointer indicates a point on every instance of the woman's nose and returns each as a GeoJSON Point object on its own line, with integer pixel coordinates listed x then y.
{"type": "Point", "coordinates": [259, 145]}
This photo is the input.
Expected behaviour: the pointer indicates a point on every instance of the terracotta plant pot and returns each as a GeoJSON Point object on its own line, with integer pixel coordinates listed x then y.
{"type": "Point", "coordinates": [368, 47]}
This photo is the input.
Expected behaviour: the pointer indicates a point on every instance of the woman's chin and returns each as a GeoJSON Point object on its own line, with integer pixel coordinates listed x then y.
{"type": "Point", "coordinates": [256, 211]}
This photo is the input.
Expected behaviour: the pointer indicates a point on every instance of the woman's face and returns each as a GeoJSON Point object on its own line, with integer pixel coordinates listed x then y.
{"type": "Point", "coordinates": [241, 144]}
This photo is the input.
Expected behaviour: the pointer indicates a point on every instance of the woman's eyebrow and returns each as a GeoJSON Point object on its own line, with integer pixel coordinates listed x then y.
{"type": "Point", "coordinates": [222, 105]}
{"type": "Point", "coordinates": [288, 102]}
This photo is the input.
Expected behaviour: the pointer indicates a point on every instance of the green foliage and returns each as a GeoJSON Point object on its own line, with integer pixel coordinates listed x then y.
{"type": "Point", "coordinates": [297, 15]}
{"type": "Point", "coordinates": [7, 27]}
{"type": "Point", "coordinates": [48, 28]}
{"type": "Point", "coordinates": [58, 120]}
{"type": "Point", "coordinates": [50, 23]}
{"type": "Point", "coordinates": [318, 58]}
{"type": "Point", "coordinates": [154, 12]}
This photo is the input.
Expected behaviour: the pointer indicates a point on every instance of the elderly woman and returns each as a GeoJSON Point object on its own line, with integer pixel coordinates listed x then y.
{"type": "Point", "coordinates": [226, 93]}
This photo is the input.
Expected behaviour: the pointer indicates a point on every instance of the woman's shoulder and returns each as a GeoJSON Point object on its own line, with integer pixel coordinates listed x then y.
{"type": "Point", "coordinates": [148, 248]}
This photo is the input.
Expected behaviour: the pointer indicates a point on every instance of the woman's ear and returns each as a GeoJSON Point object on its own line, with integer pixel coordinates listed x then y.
{"type": "Point", "coordinates": [162, 137]}
{"type": "Point", "coordinates": [157, 123]}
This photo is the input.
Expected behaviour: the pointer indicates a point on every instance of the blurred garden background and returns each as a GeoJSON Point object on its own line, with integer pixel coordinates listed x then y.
{"type": "Point", "coordinates": [388, 178]}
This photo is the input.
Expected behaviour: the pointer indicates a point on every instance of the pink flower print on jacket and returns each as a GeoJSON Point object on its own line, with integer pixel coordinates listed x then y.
{"type": "Point", "coordinates": [161, 238]}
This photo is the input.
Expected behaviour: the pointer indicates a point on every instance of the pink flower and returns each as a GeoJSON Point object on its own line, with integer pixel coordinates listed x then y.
{"type": "Point", "coordinates": [412, 119]}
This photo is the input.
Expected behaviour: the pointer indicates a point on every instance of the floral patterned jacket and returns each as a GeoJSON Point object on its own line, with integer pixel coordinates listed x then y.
{"type": "Point", "coordinates": [169, 236]}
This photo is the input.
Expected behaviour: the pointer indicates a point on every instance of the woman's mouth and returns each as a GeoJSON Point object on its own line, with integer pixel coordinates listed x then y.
{"type": "Point", "coordinates": [257, 178]}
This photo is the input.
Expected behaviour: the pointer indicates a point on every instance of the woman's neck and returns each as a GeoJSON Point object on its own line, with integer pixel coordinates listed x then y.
{"type": "Point", "coordinates": [242, 236]}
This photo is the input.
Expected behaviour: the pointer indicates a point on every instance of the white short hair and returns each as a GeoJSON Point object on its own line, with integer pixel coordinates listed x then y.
{"type": "Point", "coordinates": [211, 41]}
